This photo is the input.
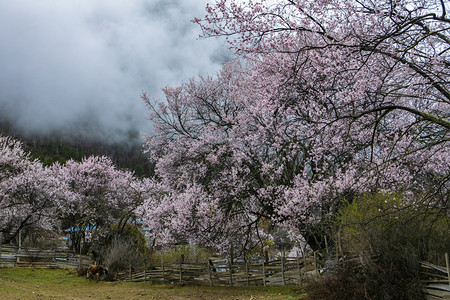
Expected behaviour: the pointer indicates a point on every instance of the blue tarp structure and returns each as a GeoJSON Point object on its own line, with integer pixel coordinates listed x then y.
{"type": "Point", "coordinates": [85, 228]}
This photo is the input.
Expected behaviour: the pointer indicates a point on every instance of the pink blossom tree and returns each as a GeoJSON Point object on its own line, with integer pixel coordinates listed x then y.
{"type": "Point", "coordinates": [369, 77]}
{"type": "Point", "coordinates": [336, 98]}
{"type": "Point", "coordinates": [30, 196]}
{"type": "Point", "coordinates": [205, 165]}
{"type": "Point", "coordinates": [104, 195]}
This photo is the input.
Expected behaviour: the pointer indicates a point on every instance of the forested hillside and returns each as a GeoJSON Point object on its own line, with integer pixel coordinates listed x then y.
{"type": "Point", "coordinates": [58, 147]}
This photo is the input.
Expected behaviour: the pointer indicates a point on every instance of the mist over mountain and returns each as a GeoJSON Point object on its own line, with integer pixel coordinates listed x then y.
{"type": "Point", "coordinates": [77, 68]}
{"type": "Point", "coordinates": [57, 147]}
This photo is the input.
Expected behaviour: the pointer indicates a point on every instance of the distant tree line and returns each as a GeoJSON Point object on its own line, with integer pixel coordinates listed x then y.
{"type": "Point", "coordinates": [56, 147]}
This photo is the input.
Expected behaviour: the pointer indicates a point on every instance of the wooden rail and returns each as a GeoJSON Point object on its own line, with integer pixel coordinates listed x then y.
{"type": "Point", "coordinates": [437, 282]}
{"type": "Point", "coordinates": [290, 271]}
{"type": "Point", "coordinates": [283, 271]}
{"type": "Point", "coordinates": [42, 258]}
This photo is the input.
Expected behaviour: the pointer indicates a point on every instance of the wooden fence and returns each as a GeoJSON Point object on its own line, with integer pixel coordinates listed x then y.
{"type": "Point", "coordinates": [437, 282]}
{"type": "Point", "coordinates": [284, 271]}
{"type": "Point", "coordinates": [38, 258]}
{"type": "Point", "coordinates": [219, 272]}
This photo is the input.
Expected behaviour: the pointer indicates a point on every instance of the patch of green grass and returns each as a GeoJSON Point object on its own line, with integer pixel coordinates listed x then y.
{"type": "Point", "coordinates": [65, 284]}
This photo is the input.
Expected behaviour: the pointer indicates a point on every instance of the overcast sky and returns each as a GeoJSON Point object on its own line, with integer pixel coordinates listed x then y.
{"type": "Point", "coordinates": [65, 64]}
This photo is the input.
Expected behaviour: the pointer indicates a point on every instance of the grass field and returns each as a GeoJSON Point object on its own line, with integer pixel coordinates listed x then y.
{"type": "Point", "coordinates": [65, 284]}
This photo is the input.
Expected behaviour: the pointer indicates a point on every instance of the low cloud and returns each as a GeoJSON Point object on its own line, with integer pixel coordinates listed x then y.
{"type": "Point", "coordinates": [80, 65]}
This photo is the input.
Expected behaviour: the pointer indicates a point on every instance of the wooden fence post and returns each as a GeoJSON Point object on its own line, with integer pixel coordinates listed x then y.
{"type": "Point", "coordinates": [264, 273]}
{"type": "Point", "coordinates": [1, 241]}
{"type": "Point", "coordinates": [162, 266]}
{"type": "Point", "coordinates": [231, 273]}
{"type": "Point", "coordinates": [299, 271]}
{"type": "Point", "coordinates": [20, 239]}
{"type": "Point", "coordinates": [80, 259]}
{"type": "Point", "coordinates": [131, 274]}
{"type": "Point", "coordinates": [246, 272]}
{"type": "Point", "coordinates": [208, 266]}
{"type": "Point", "coordinates": [282, 268]}
{"type": "Point", "coordinates": [145, 267]}
{"type": "Point", "coordinates": [145, 264]}
{"type": "Point", "coordinates": [447, 264]}
{"type": "Point", "coordinates": [315, 263]}
{"type": "Point", "coordinates": [181, 272]}
{"type": "Point", "coordinates": [20, 247]}
{"type": "Point", "coordinates": [181, 268]}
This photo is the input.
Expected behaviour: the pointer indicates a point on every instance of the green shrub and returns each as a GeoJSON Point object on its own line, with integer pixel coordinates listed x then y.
{"type": "Point", "coordinates": [190, 254]}
{"type": "Point", "coordinates": [398, 234]}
